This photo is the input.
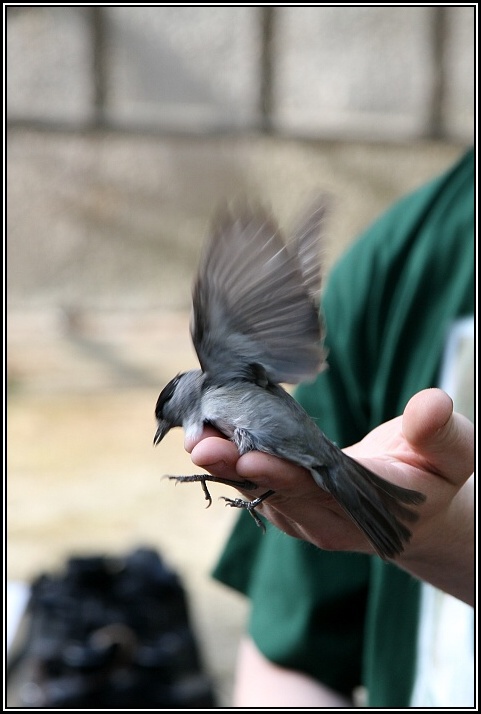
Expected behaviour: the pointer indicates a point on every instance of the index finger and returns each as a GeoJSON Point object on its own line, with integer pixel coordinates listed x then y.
{"type": "Point", "coordinates": [217, 455]}
{"type": "Point", "coordinates": [208, 431]}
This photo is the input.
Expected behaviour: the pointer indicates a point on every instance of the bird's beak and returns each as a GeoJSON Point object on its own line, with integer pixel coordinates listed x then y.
{"type": "Point", "coordinates": [162, 429]}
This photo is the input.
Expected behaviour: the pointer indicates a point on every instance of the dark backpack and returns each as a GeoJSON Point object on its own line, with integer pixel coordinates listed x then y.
{"type": "Point", "coordinates": [111, 633]}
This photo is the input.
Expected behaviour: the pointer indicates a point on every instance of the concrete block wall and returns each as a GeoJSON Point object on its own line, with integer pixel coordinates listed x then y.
{"type": "Point", "coordinates": [127, 126]}
{"type": "Point", "coordinates": [369, 72]}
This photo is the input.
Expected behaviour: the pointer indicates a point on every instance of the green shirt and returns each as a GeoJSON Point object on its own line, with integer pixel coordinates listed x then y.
{"type": "Point", "coordinates": [348, 619]}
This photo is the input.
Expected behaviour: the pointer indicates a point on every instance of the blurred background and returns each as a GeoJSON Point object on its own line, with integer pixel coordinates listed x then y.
{"type": "Point", "coordinates": [126, 128]}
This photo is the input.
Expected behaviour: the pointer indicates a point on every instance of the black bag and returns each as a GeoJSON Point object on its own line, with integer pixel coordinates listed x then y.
{"type": "Point", "coordinates": [112, 633]}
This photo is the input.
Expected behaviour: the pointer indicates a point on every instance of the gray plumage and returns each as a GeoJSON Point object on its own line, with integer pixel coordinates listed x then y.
{"type": "Point", "coordinates": [255, 323]}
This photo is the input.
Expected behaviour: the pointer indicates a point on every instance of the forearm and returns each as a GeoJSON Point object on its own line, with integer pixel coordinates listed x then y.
{"type": "Point", "coordinates": [261, 683]}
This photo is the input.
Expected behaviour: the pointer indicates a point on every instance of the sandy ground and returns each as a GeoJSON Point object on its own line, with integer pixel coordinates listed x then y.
{"type": "Point", "coordinates": [84, 476]}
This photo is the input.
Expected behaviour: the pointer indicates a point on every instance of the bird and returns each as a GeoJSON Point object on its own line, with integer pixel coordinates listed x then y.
{"type": "Point", "coordinates": [256, 324]}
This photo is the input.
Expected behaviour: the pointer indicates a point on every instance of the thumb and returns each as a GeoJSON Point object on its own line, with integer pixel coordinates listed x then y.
{"type": "Point", "coordinates": [440, 436]}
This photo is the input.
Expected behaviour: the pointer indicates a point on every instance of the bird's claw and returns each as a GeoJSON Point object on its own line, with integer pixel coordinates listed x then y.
{"type": "Point", "coordinates": [249, 506]}
{"type": "Point", "coordinates": [191, 479]}
{"type": "Point", "coordinates": [203, 478]}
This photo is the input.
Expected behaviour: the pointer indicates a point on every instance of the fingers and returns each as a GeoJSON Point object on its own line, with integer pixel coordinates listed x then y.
{"type": "Point", "coordinates": [217, 455]}
{"type": "Point", "coordinates": [220, 457]}
{"type": "Point", "coordinates": [277, 473]}
{"type": "Point", "coordinates": [189, 443]}
{"type": "Point", "coordinates": [443, 437]}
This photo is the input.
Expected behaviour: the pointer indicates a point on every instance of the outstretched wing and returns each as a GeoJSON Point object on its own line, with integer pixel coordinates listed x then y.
{"type": "Point", "coordinates": [255, 300]}
{"type": "Point", "coordinates": [307, 243]}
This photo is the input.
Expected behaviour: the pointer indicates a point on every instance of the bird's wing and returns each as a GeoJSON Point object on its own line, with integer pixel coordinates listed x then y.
{"type": "Point", "coordinates": [255, 299]}
{"type": "Point", "coordinates": [307, 242]}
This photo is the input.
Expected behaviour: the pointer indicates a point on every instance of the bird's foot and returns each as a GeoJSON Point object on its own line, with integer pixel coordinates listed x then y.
{"type": "Point", "coordinates": [249, 506]}
{"type": "Point", "coordinates": [202, 478]}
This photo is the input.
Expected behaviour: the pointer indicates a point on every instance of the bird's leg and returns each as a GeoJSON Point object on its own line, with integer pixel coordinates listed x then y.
{"type": "Point", "coordinates": [202, 478]}
{"type": "Point", "coordinates": [249, 506]}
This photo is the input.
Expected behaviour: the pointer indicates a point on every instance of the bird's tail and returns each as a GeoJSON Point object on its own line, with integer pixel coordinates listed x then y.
{"type": "Point", "coordinates": [376, 505]}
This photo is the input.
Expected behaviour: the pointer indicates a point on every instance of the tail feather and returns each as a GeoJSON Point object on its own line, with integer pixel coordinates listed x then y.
{"type": "Point", "coordinates": [376, 505]}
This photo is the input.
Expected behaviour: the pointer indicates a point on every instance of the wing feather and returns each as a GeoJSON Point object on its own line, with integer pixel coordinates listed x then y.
{"type": "Point", "coordinates": [255, 299]}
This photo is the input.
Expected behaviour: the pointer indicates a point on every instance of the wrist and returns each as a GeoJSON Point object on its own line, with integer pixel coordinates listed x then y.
{"type": "Point", "coordinates": [442, 548]}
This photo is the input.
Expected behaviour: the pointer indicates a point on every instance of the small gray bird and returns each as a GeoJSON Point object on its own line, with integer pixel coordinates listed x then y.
{"type": "Point", "coordinates": [256, 323]}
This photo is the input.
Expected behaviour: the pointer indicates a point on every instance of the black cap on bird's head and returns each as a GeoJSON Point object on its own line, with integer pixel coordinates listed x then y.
{"type": "Point", "coordinates": [165, 420]}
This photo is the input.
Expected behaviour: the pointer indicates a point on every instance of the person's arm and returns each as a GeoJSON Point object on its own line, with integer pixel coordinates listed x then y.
{"type": "Point", "coordinates": [430, 449]}
{"type": "Point", "coordinates": [261, 683]}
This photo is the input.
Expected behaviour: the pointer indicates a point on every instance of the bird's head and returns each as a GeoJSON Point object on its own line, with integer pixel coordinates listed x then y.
{"type": "Point", "coordinates": [177, 402]}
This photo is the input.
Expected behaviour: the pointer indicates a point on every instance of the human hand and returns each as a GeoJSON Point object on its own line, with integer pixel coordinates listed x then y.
{"type": "Point", "coordinates": [429, 449]}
